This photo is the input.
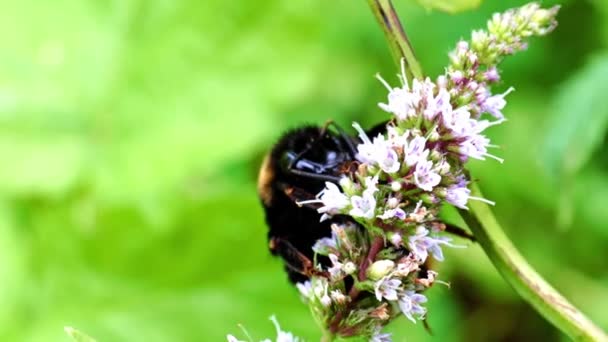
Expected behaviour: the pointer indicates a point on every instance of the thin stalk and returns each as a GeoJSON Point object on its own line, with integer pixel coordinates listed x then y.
{"type": "Point", "coordinates": [523, 278]}
{"type": "Point", "coordinates": [480, 219]}
{"type": "Point", "coordinates": [395, 35]}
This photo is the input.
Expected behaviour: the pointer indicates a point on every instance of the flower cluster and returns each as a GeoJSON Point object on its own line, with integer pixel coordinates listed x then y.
{"type": "Point", "coordinates": [378, 265]}
{"type": "Point", "coordinates": [282, 336]}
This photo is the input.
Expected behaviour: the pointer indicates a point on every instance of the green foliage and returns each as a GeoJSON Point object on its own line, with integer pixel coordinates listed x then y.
{"type": "Point", "coordinates": [451, 6]}
{"type": "Point", "coordinates": [131, 132]}
{"type": "Point", "coordinates": [77, 336]}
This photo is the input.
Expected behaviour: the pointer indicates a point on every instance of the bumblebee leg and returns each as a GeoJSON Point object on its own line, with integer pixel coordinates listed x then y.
{"type": "Point", "coordinates": [294, 259]}
{"type": "Point", "coordinates": [313, 175]}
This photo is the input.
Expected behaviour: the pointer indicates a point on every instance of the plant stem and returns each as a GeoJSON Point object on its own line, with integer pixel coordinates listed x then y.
{"type": "Point", "coordinates": [397, 39]}
{"type": "Point", "coordinates": [480, 219]}
{"type": "Point", "coordinates": [524, 279]}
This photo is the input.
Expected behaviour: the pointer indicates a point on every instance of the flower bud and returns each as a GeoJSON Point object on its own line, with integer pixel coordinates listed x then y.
{"type": "Point", "coordinates": [379, 269]}
{"type": "Point", "coordinates": [325, 300]}
{"type": "Point", "coordinates": [349, 268]}
{"type": "Point", "coordinates": [347, 185]}
{"type": "Point", "coordinates": [392, 202]}
{"type": "Point", "coordinates": [395, 186]}
{"type": "Point", "coordinates": [395, 239]}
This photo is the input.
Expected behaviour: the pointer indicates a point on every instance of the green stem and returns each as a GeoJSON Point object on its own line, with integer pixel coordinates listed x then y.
{"type": "Point", "coordinates": [523, 278]}
{"type": "Point", "coordinates": [399, 44]}
{"type": "Point", "coordinates": [511, 265]}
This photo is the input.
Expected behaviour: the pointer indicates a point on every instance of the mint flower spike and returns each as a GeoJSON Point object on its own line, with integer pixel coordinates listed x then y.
{"type": "Point", "coordinates": [471, 72]}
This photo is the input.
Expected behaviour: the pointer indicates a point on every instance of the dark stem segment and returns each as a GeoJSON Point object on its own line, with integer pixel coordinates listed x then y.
{"type": "Point", "coordinates": [399, 43]}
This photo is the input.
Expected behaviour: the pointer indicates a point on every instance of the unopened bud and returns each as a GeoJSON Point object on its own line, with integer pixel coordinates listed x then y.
{"type": "Point", "coordinates": [349, 268]}
{"type": "Point", "coordinates": [395, 239]}
{"type": "Point", "coordinates": [396, 186]}
{"type": "Point", "coordinates": [325, 300]}
{"type": "Point", "coordinates": [379, 269]}
{"type": "Point", "coordinates": [392, 202]}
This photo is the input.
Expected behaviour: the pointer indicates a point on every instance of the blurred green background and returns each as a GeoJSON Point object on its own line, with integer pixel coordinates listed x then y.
{"type": "Point", "coordinates": [132, 130]}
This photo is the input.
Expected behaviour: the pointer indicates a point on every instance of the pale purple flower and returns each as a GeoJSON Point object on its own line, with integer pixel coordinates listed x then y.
{"type": "Point", "coordinates": [491, 75]}
{"type": "Point", "coordinates": [458, 121]}
{"type": "Point", "coordinates": [415, 151]}
{"type": "Point", "coordinates": [395, 138]}
{"type": "Point", "coordinates": [476, 147]}
{"type": "Point", "coordinates": [494, 104]}
{"type": "Point", "coordinates": [305, 288]}
{"type": "Point", "coordinates": [363, 206]}
{"type": "Point", "coordinates": [378, 336]}
{"type": "Point", "coordinates": [283, 336]}
{"type": "Point", "coordinates": [425, 177]}
{"type": "Point", "coordinates": [458, 196]}
{"type": "Point", "coordinates": [438, 104]}
{"type": "Point", "coordinates": [326, 244]}
{"type": "Point", "coordinates": [336, 269]}
{"type": "Point", "coordinates": [387, 288]}
{"type": "Point", "coordinates": [391, 213]}
{"type": "Point", "coordinates": [421, 244]}
{"type": "Point", "coordinates": [388, 160]}
{"type": "Point", "coordinates": [410, 305]}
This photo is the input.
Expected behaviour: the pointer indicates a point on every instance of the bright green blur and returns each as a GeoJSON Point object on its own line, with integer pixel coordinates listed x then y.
{"type": "Point", "coordinates": [131, 132]}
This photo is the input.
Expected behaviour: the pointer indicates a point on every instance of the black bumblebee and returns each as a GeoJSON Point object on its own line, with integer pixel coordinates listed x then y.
{"type": "Point", "coordinates": [296, 169]}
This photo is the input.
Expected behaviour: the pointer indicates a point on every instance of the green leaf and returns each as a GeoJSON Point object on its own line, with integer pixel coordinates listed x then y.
{"type": "Point", "coordinates": [450, 6]}
{"type": "Point", "coordinates": [579, 120]}
{"type": "Point", "coordinates": [78, 336]}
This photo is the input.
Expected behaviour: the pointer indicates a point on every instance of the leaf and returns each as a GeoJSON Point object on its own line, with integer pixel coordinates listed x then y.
{"type": "Point", "coordinates": [78, 336]}
{"type": "Point", "coordinates": [579, 121]}
{"type": "Point", "coordinates": [450, 6]}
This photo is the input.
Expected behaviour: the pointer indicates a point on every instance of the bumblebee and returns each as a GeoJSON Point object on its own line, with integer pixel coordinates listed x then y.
{"type": "Point", "coordinates": [296, 169]}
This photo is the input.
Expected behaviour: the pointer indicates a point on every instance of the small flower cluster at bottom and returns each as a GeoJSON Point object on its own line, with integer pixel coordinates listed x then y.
{"type": "Point", "coordinates": [282, 336]}
{"type": "Point", "coordinates": [370, 281]}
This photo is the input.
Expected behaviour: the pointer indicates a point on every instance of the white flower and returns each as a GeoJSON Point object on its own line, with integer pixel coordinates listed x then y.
{"type": "Point", "coordinates": [387, 288]}
{"type": "Point", "coordinates": [363, 206]}
{"type": "Point", "coordinates": [326, 244]}
{"type": "Point", "coordinates": [458, 196]}
{"type": "Point", "coordinates": [390, 213]}
{"type": "Point", "coordinates": [494, 104]}
{"type": "Point", "coordinates": [425, 177]}
{"type": "Point", "coordinates": [305, 288]}
{"type": "Point", "coordinates": [421, 244]}
{"type": "Point", "coordinates": [320, 288]}
{"type": "Point", "coordinates": [476, 147]}
{"type": "Point", "coordinates": [388, 160]}
{"type": "Point", "coordinates": [458, 121]}
{"type": "Point", "coordinates": [396, 139]}
{"type": "Point", "coordinates": [338, 297]}
{"type": "Point", "coordinates": [378, 336]}
{"type": "Point", "coordinates": [438, 105]}
{"type": "Point", "coordinates": [333, 200]}
{"type": "Point", "coordinates": [336, 269]}
{"type": "Point", "coordinates": [283, 336]}
{"type": "Point", "coordinates": [415, 151]}
{"type": "Point", "coordinates": [233, 339]}
{"type": "Point", "coordinates": [371, 184]}
{"type": "Point", "coordinates": [396, 239]}
{"type": "Point", "coordinates": [401, 102]}
{"type": "Point", "coordinates": [409, 303]}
